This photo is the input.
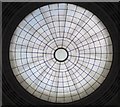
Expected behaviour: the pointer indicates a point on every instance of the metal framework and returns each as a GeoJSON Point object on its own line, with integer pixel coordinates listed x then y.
{"type": "Point", "coordinates": [37, 64]}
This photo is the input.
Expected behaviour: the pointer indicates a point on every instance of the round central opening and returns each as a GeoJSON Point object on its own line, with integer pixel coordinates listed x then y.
{"type": "Point", "coordinates": [61, 54]}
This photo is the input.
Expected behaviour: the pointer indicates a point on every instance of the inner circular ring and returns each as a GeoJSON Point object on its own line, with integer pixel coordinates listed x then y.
{"type": "Point", "coordinates": [61, 54]}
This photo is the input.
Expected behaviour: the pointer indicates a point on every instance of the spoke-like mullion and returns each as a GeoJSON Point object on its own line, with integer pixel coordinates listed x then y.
{"type": "Point", "coordinates": [48, 27]}
{"type": "Point", "coordinates": [65, 24]}
{"type": "Point", "coordinates": [37, 38]}
{"type": "Point", "coordinates": [72, 79]}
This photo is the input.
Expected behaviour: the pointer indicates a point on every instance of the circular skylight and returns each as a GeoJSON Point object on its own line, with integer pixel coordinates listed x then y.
{"type": "Point", "coordinates": [61, 53]}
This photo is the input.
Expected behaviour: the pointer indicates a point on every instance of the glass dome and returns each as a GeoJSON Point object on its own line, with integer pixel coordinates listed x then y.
{"type": "Point", "coordinates": [61, 53]}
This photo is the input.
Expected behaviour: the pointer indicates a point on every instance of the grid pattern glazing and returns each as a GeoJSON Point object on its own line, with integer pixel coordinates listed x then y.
{"type": "Point", "coordinates": [55, 26]}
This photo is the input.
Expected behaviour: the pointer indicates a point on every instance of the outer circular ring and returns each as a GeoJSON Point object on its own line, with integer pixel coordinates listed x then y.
{"type": "Point", "coordinates": [26, 98]}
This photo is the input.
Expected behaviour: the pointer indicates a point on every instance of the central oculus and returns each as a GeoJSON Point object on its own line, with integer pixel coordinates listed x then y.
{"type": "Point", "coordinates": [61, 54]}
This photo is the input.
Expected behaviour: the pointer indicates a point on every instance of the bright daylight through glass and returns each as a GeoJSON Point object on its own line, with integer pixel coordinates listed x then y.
{"type": "Point", "coordinates": [61, 53]}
